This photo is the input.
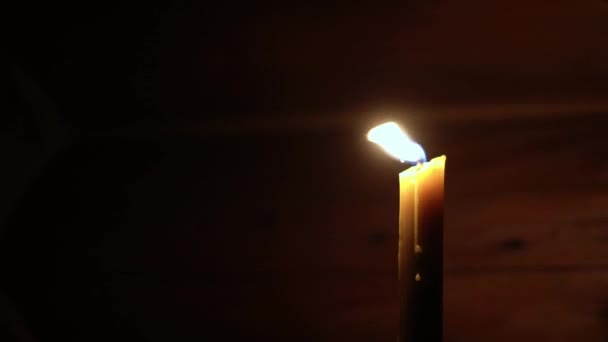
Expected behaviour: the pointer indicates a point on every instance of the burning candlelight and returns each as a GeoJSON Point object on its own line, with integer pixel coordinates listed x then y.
{"type": "Point", "coordinates": [420, 255]}
{"type": "Point", "coordinates": [396, 143]}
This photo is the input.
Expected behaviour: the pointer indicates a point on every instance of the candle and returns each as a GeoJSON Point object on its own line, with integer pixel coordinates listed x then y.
{"type": "Point", "coordinates": [420, 236]}
{"type": "Point", "coordinates": [421, 251]}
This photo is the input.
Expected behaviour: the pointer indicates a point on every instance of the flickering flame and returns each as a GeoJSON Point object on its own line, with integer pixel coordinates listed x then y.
{"type": "Point", "coordinates": [396, 143]}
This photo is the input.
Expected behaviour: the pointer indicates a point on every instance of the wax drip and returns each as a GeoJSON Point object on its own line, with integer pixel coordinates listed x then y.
{"type": "Point", "coordinates": [417, 247]}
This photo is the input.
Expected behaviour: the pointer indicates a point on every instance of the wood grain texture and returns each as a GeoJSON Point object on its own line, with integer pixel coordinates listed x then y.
{"type": "Point", "coordinates": [195, 61]}
{"type": "Point", "coordinates": [296, 237]}
{"type": "Point", "coordinates": [328, 307]}
{"type": "Point", "coordinates": [527, 307]}
{"type": "Point", "coordinates": [222, 188]}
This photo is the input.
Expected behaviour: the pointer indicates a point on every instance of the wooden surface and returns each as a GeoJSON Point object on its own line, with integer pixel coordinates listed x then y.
{"type": "Point", "coordinates": [216, 181]}
{"type": "Point", "coordinates": [187, 60]}
{"type": "Point", "coordinates": [296, 237]}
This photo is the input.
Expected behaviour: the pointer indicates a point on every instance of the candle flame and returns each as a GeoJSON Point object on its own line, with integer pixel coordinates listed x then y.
{"type": "Point", "coordinates": [396, 143]}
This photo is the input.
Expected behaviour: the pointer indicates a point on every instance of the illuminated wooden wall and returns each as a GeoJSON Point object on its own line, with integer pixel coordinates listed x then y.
{"type": "Point", "coordinates": [220, 185]}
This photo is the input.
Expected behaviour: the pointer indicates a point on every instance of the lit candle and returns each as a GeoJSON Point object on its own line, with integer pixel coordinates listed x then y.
{"type": "Point", "coordinates": [420, 236]}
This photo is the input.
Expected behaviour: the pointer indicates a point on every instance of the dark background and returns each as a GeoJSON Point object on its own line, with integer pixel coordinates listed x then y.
{"type": "Point", "coordinates": [186, 171]}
